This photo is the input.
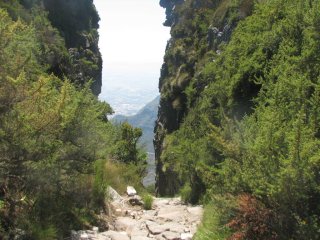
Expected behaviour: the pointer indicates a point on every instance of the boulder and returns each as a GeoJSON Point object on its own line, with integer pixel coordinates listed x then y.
{"type": "Point", "coordinates": [155, 228]}
{"type": "Point", "coordinates": [114, 195]}
{"type": "Point", "coordinates": [84, 236]}
{"type": "Point", "coordinates": [186, 236]}
{"type": "Point", "coordinates": [115, 235]}
{"type": "Point", "coordinates": [171, 235]}
{"type": "Point", "coordinates": [131, 191]}
{"type": "Point", "coordinates": [138, 232]}
{"type": "Point", "coordinates": [172, 213]}
{"type": "Point", "coordinates": [175, 227]}
{"type": "Point", "coordinates": [124, 224]}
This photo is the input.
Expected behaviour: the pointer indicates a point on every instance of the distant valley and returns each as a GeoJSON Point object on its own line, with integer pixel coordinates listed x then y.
{"type": "Point", "coordinates": [144, 119]}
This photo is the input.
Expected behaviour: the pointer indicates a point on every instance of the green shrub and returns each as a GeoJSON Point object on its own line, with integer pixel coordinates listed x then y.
{"type": "Point", "coordinates": [216, 215]}
{"type": "Point", "coordinates": [185, 193]}
{"type": "Point", "coordinates": [99, 184]}
{"type": "Point", "coordinates": [148, 201]}
{"type": "Point", "coordinates": [38, 232]}
{"type": "Point", "coordinates": [120, 175]}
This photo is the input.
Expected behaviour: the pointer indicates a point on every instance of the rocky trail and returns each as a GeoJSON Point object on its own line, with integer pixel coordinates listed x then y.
{"type": "Point", "coordinates": [169, 219]}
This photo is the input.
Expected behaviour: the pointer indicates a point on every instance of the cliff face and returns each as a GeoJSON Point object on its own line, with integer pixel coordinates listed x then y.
{"type": "Point", "coordinates": [199, 30]}
{"type": "Point", "coordinates": [77, 21]}
{"type": "Point", "coordinates": [68, 32]}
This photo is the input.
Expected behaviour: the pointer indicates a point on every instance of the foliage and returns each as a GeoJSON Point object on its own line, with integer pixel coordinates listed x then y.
{"type": "Point", "coordinates": [120, 175]}
{"type": "Point", "coordinates": [185, 193]}
{"type": "Point", "coordinates": [216, 215]}
{"type": "Point", "coordinates": [126, 149]}
{"type": "Point", "coordinates": [251, 122]}
{"type": "Point", "coordinates": [38, 232]}
{"type": "Point", "coordinates": [254, 221]}
{"type": "Point", "coordinates": [99, 184]}
{"type": "Point", "coordinates": [54, 134]}
{"type": "Point", "coordinates": [147, 201]}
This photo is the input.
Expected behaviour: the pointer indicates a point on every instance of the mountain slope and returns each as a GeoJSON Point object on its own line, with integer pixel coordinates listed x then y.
{"type": "Point", "coordinates": [199, 31]}
{"type": "Point", "coordinates": [144, 119]}
{"type": "Point", "coordinates": [55, 140]}
{"type": "Point", "coordinates": [68, 37]}
{"type": "Point", "coordinates": [237, 124]}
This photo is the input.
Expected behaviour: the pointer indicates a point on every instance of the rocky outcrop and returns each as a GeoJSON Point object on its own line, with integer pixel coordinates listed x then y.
{"type": "Point", "coordinates": [68, 37]}
{"type": "Point", "coordinates": [77, 22]}
{"type": "Point", "coordinates": [169, 219]}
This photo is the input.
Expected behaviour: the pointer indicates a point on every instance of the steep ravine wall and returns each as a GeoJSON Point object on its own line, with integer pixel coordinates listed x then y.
{"type": "Point", "coordinates": [199, 30]}
{"type": "Point", "coordinates": [69, 33]}
{"type": "Point", "coordinates": [78, 23]}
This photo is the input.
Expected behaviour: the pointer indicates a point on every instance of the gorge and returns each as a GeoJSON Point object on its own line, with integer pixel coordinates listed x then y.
{"type": "Point", "coordinates": [237, 128]}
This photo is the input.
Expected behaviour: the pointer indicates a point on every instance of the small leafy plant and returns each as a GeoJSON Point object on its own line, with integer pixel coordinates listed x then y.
{"type": "Point", "coordinates": [148, 201]}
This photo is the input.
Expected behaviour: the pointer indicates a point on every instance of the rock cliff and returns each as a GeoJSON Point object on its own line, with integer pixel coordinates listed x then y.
{"type": "Point", "coordinates": [199, 31]}
{"type": "Point", "coordinates": [78, 22]}
{"type": "Point", "coordinates": [67, 30]}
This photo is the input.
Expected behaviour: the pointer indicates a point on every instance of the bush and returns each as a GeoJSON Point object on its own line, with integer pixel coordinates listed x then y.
{"type": "Point", "coordinates": [42, 233]}
{"type": "Point", "coordinates": [216, 214]}
{"type": "Point", "coordinates": [148, 201]}
{"type": "Point", "coordinates": [99, 184]}
{"type": "Point", "coordinates": [185, 193]}
{"type": "Point", "coordinates": [253, 221]}
{"type": "Point", "coordinates": [120, 175]}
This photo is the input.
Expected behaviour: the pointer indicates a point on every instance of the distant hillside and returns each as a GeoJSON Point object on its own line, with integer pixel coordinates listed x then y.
{"type": "Point", "coordinates": [144, 119]}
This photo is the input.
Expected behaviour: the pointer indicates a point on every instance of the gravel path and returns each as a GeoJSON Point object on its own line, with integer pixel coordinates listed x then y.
{"type": "Point", "coordinates": [169, 219]}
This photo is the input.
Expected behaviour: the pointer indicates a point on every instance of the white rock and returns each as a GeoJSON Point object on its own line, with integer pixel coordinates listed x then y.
{"type": "Point", "coordinates": [186, 236]}
{"type": "Point", "coordinates": [114, 195]}
{"type": "Point", "coordinates": [84, 236]}
{"type": "Point", "coordinates": [131, 191]}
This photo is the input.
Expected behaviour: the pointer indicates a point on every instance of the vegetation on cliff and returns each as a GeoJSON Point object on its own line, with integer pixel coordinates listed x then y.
{"type": "Point", "coordinates": [56, 143]}
{"type": "Point", "coordinates": [238, 125]}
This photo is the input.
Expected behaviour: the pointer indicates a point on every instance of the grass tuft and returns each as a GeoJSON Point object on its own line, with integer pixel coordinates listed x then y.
{"type": "Point", "coordinates": [148, 201]}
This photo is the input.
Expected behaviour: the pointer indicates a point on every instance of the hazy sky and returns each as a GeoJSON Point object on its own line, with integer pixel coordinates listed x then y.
{"type": "Point", "coordinates": [132, 42]}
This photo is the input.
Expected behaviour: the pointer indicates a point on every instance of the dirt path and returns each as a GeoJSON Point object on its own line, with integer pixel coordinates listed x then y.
{"type": "Point", "coordinates": [169, 219]}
